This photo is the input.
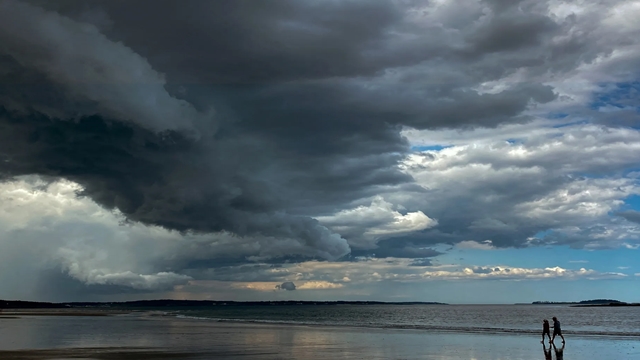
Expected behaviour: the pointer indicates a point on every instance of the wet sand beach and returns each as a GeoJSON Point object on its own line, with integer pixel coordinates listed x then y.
{"type": "Point", "coordinates": [146, 336]}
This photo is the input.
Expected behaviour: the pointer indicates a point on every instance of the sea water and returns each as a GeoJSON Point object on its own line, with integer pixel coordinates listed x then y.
{"type": "Point", "coordinates": [517, 319]}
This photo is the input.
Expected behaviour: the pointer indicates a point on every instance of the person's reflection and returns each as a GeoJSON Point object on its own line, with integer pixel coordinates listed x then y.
{"type": "Point", "coordinates": [559, 352]}
{"type": "Point", "coordinates": [547, 352]}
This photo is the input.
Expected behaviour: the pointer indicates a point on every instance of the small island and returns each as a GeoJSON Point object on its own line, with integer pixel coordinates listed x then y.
{"type": "Point", "coordinates": [587, 303]}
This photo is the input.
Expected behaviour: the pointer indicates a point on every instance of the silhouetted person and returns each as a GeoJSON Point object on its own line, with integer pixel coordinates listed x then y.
{"type": "Point", "coordinates": [545, 330]}
{"type": "Point", "coordinates": [556, 329]}
{"type": "Point", "coordinates": [559, 352]}
{"type": "Point", "coordinates": [547, 353]}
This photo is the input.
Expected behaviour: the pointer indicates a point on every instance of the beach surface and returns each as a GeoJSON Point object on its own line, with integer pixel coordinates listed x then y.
{"type": "Point", "coordinates": [121, 335]}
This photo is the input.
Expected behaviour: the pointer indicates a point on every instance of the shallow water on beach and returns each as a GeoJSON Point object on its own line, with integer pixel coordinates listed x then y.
{"type": "Point", "coordinates": [518, 319]}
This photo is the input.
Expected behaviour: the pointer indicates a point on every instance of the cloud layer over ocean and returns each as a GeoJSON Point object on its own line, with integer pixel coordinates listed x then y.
{"type": "Point", "coordinates": [157, 146]}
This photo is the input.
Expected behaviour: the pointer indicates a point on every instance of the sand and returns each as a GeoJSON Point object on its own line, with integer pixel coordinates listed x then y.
{"type": "Point", "coordinates": [60, 312]}
{"type": "Point", "coordinates": [144, 336]}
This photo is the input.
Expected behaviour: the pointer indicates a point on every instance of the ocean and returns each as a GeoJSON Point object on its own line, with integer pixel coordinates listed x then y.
{"type": "Point", "coordinates": [491, 319]}
{"type": "Point", "coordinates": [307, 332]}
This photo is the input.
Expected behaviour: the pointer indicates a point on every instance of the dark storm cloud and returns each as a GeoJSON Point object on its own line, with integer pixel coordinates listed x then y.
{"type": "Point", "coordinates": [235, 272]}
{"type": "Point", "coordinates": [397, 248]}
{"type": "Point", "coordinates": [232, 269]}
{"type": "Point", "coordinates": [309, 101]}
{"type": "Point", "coordinates": [511, 29]}
{"type": "Point", "coordinates": [125, 167]}
{"type": "Point", "coordinates": [241, 51]}
{"type": "Point", "coordinates": [240, 42]}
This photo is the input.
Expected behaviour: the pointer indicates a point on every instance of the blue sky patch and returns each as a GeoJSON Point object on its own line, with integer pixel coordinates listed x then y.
{"type": "Point", "coordinates": [573, 123]}
{"type": "Point", "coordinates": [620, 95]}
{"type": "Point", "coordinates": [429, 147]}
{"type": "Point", "coordinates": [632, 202]}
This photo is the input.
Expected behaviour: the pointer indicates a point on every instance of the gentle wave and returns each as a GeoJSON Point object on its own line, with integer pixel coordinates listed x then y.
{"type": "Point", "coordinates": [457, 329]}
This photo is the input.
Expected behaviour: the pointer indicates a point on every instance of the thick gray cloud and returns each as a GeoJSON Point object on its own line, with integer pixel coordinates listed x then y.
{"type": "Point", "coordinates": [568, 180]}
{"type": "Point", "coordinates": [631, 215]}
{"type": "Point", "coordinates": [279, 130]}
{"type": "Point", "coordinates": [293, 133]}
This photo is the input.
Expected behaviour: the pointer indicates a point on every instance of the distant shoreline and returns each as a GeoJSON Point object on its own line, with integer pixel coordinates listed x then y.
{"type": "Point", "coordinates": [100, 307]}
{"type": "Point", "coordinates": [18, 304]}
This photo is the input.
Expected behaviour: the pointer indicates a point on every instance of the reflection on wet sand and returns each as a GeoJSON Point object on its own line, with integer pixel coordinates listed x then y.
{"type": "Point", "coordinates": [96, 353]}
{"type": "Point", "coordinates": [559, 352]}
{"type": "Point", "coordinates": [547, 352]}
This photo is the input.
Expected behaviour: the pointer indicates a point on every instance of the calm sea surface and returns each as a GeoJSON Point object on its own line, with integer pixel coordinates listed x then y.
{"type": "Point", "coordinates": [524, 319]}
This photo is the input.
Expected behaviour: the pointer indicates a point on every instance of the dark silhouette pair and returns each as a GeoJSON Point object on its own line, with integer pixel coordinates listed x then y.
{"type": "Point", "coordinates": [557, 331]}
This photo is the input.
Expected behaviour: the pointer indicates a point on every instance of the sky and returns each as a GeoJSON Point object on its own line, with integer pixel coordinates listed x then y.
{"type": "Point", "coordinates": [395, 150]}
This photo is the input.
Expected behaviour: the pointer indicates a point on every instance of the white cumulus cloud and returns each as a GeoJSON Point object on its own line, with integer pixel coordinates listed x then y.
{"type": "Point", "coordinates": [365, 225]}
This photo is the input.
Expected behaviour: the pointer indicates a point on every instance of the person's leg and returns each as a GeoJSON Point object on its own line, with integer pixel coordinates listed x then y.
{"type": "Point", "coordinates": [562, 337]}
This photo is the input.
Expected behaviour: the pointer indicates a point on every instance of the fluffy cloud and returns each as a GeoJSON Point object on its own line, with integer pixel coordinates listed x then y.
{"type": "Point", "coordinates": [46, 228]}
{"type": "Point", "coordinates": [363, 226]}
{"type": "Point", "coordinates": [368, 275]}
{"type": "Point", "coordinates": [376, 270]}
{"type": "Point", "coordinates": [513, 190]}
{"type": "Point", "coordinates": [510, 273]}
{"type": "Point", "coordinates": [319, 285]}
{"type": "Point", "coordinates": [94, 247]}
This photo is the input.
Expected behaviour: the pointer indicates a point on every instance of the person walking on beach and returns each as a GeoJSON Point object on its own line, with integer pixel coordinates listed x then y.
{"type": "Point", "coordinates": [556, 329]}
{"type": "Point", "coordinates": [545, 330]}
